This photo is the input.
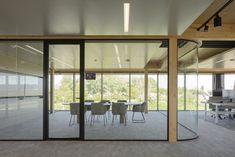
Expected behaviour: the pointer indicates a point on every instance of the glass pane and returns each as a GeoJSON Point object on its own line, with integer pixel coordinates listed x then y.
{"type": "Point", "coordinates": [64, 104]}
{"type": "Point", "coordinates": [153, 92]}
{"type": "Point", "coordinates": [123, 83]}
{"type": "Point", "coordinates": [163, 91]}
{"type": "Point", "coordinates": [187, 90]}
{"type": "Point", "coordinates": [229, 81]}
{"type": "Point", "coordinates": [21, 95]}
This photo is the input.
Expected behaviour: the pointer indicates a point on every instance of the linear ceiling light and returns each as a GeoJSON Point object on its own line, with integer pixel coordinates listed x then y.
{"type": "Point", "coordinates": [32, 48]}
{"type": "Point", "coordinates": [60, 61]}
{"type": "Point", "coordinates": [17, 46]}
{"type": "Point", "coordinates": [126, 16]}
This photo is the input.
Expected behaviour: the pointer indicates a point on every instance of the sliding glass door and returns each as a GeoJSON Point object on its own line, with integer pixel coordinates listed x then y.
{"type": "Point", "coordinates": [65, 90]}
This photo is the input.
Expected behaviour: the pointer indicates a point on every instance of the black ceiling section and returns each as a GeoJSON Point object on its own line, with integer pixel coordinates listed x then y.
{"type": "Point", "coordinates": [217, 44]}
{"type": "Point", "coordinates": [181, 43]}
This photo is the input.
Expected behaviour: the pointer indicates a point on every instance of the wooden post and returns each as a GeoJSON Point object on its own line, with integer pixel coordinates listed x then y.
{"type": "Point", "coordinates": [172, 90]}
{"type": "Point", "coordinates": [146, 89]}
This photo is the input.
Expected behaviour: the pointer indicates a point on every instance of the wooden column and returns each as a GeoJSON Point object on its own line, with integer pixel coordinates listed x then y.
{"type": "Point", "coordinates": [52, 73]}
{"type": "Point", "coordinates": [172, 90]}
{"type": "Point", "coordinates": [146, 89]}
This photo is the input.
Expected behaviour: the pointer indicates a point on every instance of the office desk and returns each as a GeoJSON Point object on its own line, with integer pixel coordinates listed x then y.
{"type": "Point", "coordinates": [225, 105]}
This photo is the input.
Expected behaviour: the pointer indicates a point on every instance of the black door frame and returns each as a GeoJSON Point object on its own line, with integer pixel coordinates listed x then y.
{"type": "Point", "coordinates": [46, 87]}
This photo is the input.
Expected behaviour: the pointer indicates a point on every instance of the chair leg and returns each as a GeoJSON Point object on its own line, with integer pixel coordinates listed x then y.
{"type": "Point", "coordinates": [70, 120]}
{"type": "Point", "coordinates": [138, 120]}
{"type": "Point", "coordinates": [104, 119]}
{"type": "Point", "coordinates": [143, 116]}
{"type": "Point", "coordinates": [125, 119]}
{"type": "Point", "coordinates": [112, 120]}
{"type": "Point", "coordinates": [91, 120]}
{"type": "Point", "coordinates": [133, 116]}
{"type": "Point", "coordinates": [73, 119]}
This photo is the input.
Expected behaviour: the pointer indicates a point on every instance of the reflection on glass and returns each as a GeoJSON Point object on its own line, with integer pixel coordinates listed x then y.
{"type": "Point", "coordinates": [187, 91]}
{"type": "Point", "coordinates": [21, 96]}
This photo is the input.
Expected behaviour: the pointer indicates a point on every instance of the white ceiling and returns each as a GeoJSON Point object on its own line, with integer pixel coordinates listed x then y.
{"type": "Point", "coordinates": [107, 55]}
{"type": "Point", "coordinates": [225, 59]}
{"type": "Point", "coordinates": [98, 17]}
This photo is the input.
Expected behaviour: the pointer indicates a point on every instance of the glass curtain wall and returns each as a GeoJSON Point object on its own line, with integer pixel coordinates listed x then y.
{"type": "Point", "coordinates": [204, 89]}
{"type": "Point", "coordinates": [229, 81]}
{"type": "Point", "coordinates": [120, 71]}
{"type": "Point", "coordinates": [21, 90]}
{"type": "Point", "coordinates": [163, 91]}
{"type": "Point", "coordinates": [153, 89]}
{"type": "Point", "coordinates": [187, 69]}
{"type": "Point", "coordinates": [115, 87]}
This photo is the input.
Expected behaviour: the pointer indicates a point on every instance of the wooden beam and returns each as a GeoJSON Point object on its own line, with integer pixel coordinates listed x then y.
{"type": "Point", "coordinates": [172, 90]}
{"type": "Point", "coordinates": [216, 70]}
{"type": "Point", "coordinates": [99, 70]}
{"type": "Point", "coordinates": [83, 37]}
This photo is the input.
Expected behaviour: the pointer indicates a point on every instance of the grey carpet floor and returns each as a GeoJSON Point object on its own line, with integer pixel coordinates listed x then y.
{"type": "Point", "coordinates": [214, 141]}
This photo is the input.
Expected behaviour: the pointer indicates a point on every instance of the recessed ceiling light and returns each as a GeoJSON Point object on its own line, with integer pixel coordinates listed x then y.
{"type": "Point", "coordinates": [126, 16]}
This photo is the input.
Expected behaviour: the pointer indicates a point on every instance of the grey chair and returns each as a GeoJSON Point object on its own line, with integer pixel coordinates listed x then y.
{"type": "Point", "coordinates": [120, 109]}
{"type": "Point", "coordinates": [88, 108]}
{"type": "Point", "coordinates": [139, 108]}
{"type": "Point", "coordinates": [74, 111]}
{"type": "Point", "coordinates": [98, 109]}
{"type": "Point", "coordinates": [107, 106]}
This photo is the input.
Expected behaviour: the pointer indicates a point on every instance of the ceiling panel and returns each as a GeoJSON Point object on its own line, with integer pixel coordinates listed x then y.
{"type": "Point", "coordinates": [102, 17]}
{"type": "Point", "coordinates": [225, 59]}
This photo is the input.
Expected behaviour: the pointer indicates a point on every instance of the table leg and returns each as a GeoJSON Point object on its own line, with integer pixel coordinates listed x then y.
{"type": "Point", "coordinates": [78, 118]}
{"type": "Point", "coordinates": [216, 114]}
{"type": "Point", "coordinates": [122, 118]}
{"type": "Point", "coordinates": [205, 111]}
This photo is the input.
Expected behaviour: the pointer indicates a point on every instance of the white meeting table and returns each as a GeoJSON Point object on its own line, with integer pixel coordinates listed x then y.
{"type": "Point", "coordinates": [225, 105]}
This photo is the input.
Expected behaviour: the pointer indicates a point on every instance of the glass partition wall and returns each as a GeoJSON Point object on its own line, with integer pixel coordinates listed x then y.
{"type": "Point", "coordinates": [187, 90]}
{"type": "Point", "coordinates": [122, 76]}
{"type": "Point", "coordinates": [64, 91]}
{"type": "Point", "coordinates": [21, 90]}
{"type": "Point", "coordinates": [132, 74]}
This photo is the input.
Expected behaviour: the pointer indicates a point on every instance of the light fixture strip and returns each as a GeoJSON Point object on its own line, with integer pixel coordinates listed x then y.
{"type": "Point", "coordinates": [58, 60]}
{"type": "Point", "coordinates": [17, 46]}
{"type": "Point", "coordinates": [117, 54]}
{"type": "Point", "coordinates": [32, 48]}
{"type": "Point", "coordinates": [126, 16]}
